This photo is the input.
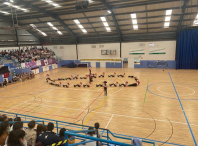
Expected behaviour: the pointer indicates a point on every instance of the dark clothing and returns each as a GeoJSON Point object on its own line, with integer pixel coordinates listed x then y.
{"type": "Point", "coordinates": [120, 76]}
{"type": "Point", "coordinates": [99, 85]}
{"type": "Point", "coordinates": [48, 138]}
{"type": "Point", "coordinates": [130, 76]}
{"type": "Point", "coordinates": [135, 84]}
{"type": "Point", "coordinates": [101, 76]}
{"type": "Point", "coordinates": [105, 91]}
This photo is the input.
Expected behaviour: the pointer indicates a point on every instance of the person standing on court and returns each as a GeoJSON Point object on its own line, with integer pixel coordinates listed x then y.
{"type": "Point", "coordinates": [105, 88]}
{"type": "Point", "coordinates": [90, 70]}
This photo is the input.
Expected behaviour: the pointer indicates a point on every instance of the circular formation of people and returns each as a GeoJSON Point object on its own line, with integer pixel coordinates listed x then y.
{"type": "Point", "coordinates": [91, 76]}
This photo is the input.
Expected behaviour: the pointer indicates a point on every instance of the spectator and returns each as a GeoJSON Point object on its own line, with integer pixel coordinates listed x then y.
{"type": "Point", "coordinates": [10, 120]}
{"type": "Point", "coordinates": [4, 127]}
{"type": "Point", "coordinates": [16, 138]}
{"type": "Point", "coordinates": [71, 139]}
{"type": "Point", "coordinates": [18, 119]}
{"type": "Point", "coordinates": [97, 126]}
{"type": "Point", "coordinates": [3, 118]}
{"type": "Point", "coordinates": [93, 135]}
{"type": "Point", "coordinates": [48, 137]}
{"type": "Point", "coordinates": [30, 134]}
{"type": "Point", "coordinates": [39, 129]}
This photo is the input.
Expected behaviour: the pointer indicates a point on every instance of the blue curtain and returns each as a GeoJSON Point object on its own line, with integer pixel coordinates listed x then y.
{"type": "Point", "coordinates": [187, 50]}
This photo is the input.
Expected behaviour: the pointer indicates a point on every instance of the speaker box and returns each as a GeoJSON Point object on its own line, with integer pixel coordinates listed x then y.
{"type": "Point", "coordinates": [82, 5]}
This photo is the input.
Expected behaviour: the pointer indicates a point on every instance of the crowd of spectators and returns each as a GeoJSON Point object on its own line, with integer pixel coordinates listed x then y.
{"type": "Point", "coordinates": [16, 135]}
{"type": "Point", "coordinates": [19, 77]}
{"type": "Point", "coordinates": [27, 54]}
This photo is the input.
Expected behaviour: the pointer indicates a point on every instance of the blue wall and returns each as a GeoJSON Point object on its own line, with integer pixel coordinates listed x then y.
{"type": "Point", "coordinates": [113, 65]}
{"type": "Point", "coordinates": [97, 64]}
{"type": "Point", "coordinates": [1, 78]}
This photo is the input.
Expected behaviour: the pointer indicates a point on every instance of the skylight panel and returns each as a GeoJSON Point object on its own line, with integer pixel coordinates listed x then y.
{"type": "Point", "coordinates": [76, 21]}
{"type": "Point", "coordinates": [50, 24]}
{"type": "Point", "coordinates": [103, 18]}
{"type": "Point", "coordinates": [168, 12]}
{"type": "Point", "coordinates": [133, 16]}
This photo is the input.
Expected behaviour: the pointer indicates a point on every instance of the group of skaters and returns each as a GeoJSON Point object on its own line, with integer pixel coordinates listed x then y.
{"type": "Point", "coordinates": [91, 76]}
{"type": "Point", "coordinates": [18, 77]}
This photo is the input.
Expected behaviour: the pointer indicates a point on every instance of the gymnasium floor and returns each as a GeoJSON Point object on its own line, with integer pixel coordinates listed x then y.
{"type": "Point", "coordinates": [154, 114]}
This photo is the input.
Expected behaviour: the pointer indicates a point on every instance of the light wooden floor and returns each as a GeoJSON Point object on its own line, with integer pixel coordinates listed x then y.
{"type": "Point", "coordinates": [155, 114]}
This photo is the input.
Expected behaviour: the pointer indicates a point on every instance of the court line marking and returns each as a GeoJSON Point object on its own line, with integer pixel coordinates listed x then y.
{"type": "Point", "coordinates": [183, 111]}
{"type": "Point", "coordinates": [145, 95]}
{"type": "Point", "coordinates": [98, 107]}
{"type": "Point", "coordinates": [123, 116]}
{"type": "Point", "coordinates": [29, 100]}
{"type": "Point", "coordinates": [109, 121]}
{"type": "Point", "coordinates": [174, 94]}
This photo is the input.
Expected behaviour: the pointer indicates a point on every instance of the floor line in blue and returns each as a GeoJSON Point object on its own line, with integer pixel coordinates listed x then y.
{"type": "Point", "coordinates": [183, 111]}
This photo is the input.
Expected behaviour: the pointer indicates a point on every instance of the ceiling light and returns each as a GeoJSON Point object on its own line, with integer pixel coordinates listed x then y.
{"type": "Point", "coordinates": [11, 1]}
{"type": "Point", "coordinates": [167, 18]}
{"type": "Point", "coordinates": [133, 16]}
{"type": "Point", "coordinates": [134, 21]}
{"type": "Point", "coordinates": [54, 4]}
{"type": "Point", "coordinates": [54, 28]}
{"type": "Point", "coordinates": [108, 28]}
{"type": "Point", "coordinates": [103, 18]}
{"type": "Point", "coordinates": [80, 26]}
{"type": "Point", "coordinates": [16, 7]}
{"type": "Point", "coordinates": [59, 32]}
{"type": "Point", "coordinates": [105, 24]}
{"type": "Point", "coordinates": [109, 11]}
{"type": "Point", "coordinates": [76, 21]}
{"type": "Point", "coordinates": [6, 3]}
{"type": "Point", "coordinates": [168, 12]}
{"type": "Point", "coordinates": [166, 24]}
{"type": "Point", "coordinates": [84, 30]}
{"type": "Point", "coordinates": [4, 12]}
{"type": "Point", "coordinates": [49, 1]}
{"type": "Point", "coordinates": [196, 16]}
{"type": "Point", "coordinates": [50, 24]}
{"type": "Point", "coordinates": [135, 27]}
{"type": "Point", "coordinates": [90, 1]}
{"type": "Point", "coordinates": [43, 33]}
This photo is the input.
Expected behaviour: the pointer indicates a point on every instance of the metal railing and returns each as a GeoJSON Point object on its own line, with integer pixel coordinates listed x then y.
{"type": "Point", "coordinates": [74, 128]}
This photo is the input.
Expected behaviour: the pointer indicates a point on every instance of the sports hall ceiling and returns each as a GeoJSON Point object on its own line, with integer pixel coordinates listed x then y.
{"type": "Point", "coordinates": [150, 19]}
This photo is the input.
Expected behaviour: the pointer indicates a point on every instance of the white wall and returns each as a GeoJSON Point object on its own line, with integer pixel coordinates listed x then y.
{"type": "Point", "coordinates": [170, 47]}
{"type": "Point", "coordinates": [66, 52]}
{"type": "Point", "coordinates": [87, 52]}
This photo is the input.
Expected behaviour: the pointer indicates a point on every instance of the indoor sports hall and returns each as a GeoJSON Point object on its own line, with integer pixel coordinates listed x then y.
{"type": "Point", "coordinates": [129, 66]}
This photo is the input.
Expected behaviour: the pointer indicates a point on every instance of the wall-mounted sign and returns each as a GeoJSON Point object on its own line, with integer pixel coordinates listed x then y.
{"type": "Point", "coordinates": [136, 51]}
{"type": "Point", "coordinates": [157, 51]}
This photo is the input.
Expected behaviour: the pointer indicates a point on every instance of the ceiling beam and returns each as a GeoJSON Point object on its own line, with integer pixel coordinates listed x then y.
{"type": "Point", "coordinates": [49, 14]}
{"type": "Point", "coordinates": [113, 16]}
{"type": "Point", "coordinates": [182, 15]}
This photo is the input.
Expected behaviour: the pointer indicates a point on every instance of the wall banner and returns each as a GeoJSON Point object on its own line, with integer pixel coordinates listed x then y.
{"type": "Point", "coordinates": [157, 51]}
{"type": "Point", "coordinates": [136, 51]}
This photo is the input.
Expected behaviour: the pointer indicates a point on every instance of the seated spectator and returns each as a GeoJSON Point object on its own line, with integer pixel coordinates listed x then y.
{"type": "Point", "coordinates": [17, 126]}
{"type": "Point", "coordinates": [16, 138]}
{"type": "Point", "coordinates": [39, 129]}
{"type": "Point", "coordinates": [10, 120]}
{"type": "Point", "coordinates": [48, 137]}
{"type": "Point", "coordinates": [3, 118]}
{"type": "Point", "coordinates": [30, 134]}
{"type": "Point", "coordinates": [18, 119]}
{"type": "Point", "coordinates": [91, 134]}
{"type": "Point", "coordinates": [71, 139]}
{"type": "Point", "coordinates": [4, 127]}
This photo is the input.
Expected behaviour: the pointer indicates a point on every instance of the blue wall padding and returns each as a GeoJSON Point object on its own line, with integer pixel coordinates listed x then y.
{"type": "Point", "coordinates": [50, 67]}
{"type": "Point", "coordinates": [40, 69]}
{"type": "Point", "coordinates": [113, 65]}
{"type": "Point", "coordinates": [1, 78]}
{"type": "Point", "coordinates": [98, 64]}
{"type": "Point", "coordinates": [18, 71]}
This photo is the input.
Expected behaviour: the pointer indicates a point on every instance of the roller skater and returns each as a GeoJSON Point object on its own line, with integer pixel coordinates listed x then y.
{"type": "Point", "coordinates": [115, 85]}
{"type": "Point", "coordinates": [76, 77]}
{"type": "Point", "coordinates": [87, 85]}
{"type": "Point", "coordinates": [102, 75]}
{"type": "Point", "coordinates": [121, 75]}
{"type": "Point", "coordinates": [66, 86]}
{"type": "Point", "coordinates": [70, 78]}
{"type": "Point", "coordinates": [112, 75]}
{"type": "Point", "coordinates": [78, 85]}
